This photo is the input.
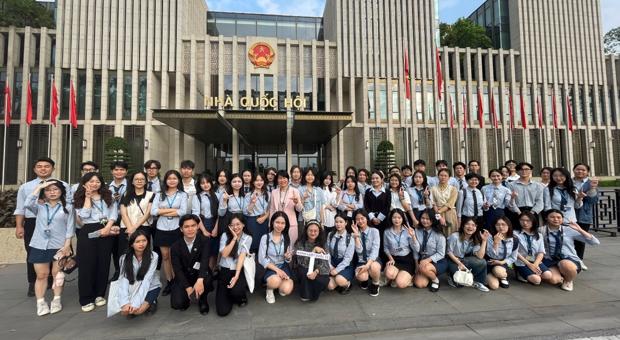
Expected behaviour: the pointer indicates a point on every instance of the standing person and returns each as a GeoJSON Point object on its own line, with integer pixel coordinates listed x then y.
{"type": "Point", "coordinates": [286, 199]}
{"type": "Point", "coordinates": [342, 252]}
{"type": "Point", "coordinates": [205, 206]}
{"type": "Point", "coordinates": [51, 239]}
{"type": "Point", "coordinates": [25, 219]}
{"type": "Point", "coordinates": [419, 193]}
{"type": "Point", "coordinates": [168, 205]}
{"type": "Point", "coordinates": [331, 194]}
{"type": "Point", "coordinates": [270, 176]}
{"type": "Point", "coordinates": [545, 176]}
{"type": "Point", "coordinates": [85, 167]}
{"type": "Point", "coordinates": [562, 195]}
{"type": "Point", "coordinates": [529, 266]}
{"type": "Point", "coordinates": [193, 278]}
{"type": "Point", "coordinates": [248, 178]}
{"type": "Point", "coordinates": [466, 249]}
{"type": "Point", "coordinates": [152, 167]}
{"type": "Point", "coordinates": [350, 199]}
{"type": "Point", "coordinates": [502, 250]}
{"type": "Point", "coordinates": [257, 211]}
{"type": "Point", "coordinates": [560, 254]}
{"type": "Point", "coordinates": [231, 202]}
{"type": "Point", "coordinates": [139, 282]}
{"type": "Point", "coordinates": [189, 185]}
{"type": "Point", "coordinates": [296, 176]}
{"type": "Point", "coordinates": [419, 165]}
{"type": "Point", "coordinates": [350, 171]}
{"type": "Point", "coordinates": [398, 245]}
{"type": "Point", "coordinates": [367, 248]}
{"type": "Point", "coordinates": [135, 210]}
{"type": "Point", "coordinates": [312, 283]}
{"type": "Point", "coordinates": [496, 199]}
{"type": "Point", "coordinates": [231, 284]}
{"type": "Point", "coordinates": [505, 174]}
{"type": "Point", "coordinates": [588, 189]}
{"type": "Point", "coordinates": [429, 251]}
{"type": "Point", "coordinates": [275, 254]}
{"type": "Point", "coordinates": [441, 164]}
{"type": "Point", "coordinates": [311, 196]}
{"type": "Point", "coordinates": [459, 180]}
{"type": "Point", "coordinates": [378, 202]}
{"type": "Point", "coordinates": [96, 211]}
{"type": "Point", "coordinates": [400, 199]}
{"type": "Point", "coordinates": [513, 170]}
{"type": "Point", "coordinates": [363, 176]}
{"type": "Point", "coordinates": [443, 199]}
{"type": "Point", "coordinates": [527, 195]}
{"type": "Point", "coordinates": [118, 187]}
{"type": "Point", "coordinates": [470, 201]}
{"type": "Point", "coordinates": [222, 184]}
{"type": "Point", "coordinates": [474, 168]}
{"type": "Point", "coordinates": [407, 172]}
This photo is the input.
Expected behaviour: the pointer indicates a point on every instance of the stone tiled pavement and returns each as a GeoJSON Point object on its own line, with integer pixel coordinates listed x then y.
{"type": "Point", "coordinates": [522, 311]}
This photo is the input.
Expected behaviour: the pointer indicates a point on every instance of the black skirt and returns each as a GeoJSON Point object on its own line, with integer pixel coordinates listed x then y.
{"type": "Point", "coordinates": [164, 238]}
{"type": "Point", "coordinates": [405, 263]}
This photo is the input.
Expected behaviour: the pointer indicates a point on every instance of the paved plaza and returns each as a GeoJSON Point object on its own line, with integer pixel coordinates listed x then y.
{"type": "Point", "coordinates": [523, 311]}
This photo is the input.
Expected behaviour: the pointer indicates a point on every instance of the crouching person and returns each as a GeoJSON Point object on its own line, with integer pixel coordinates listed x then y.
{"type": "Point", "coordinates": [190, 263]}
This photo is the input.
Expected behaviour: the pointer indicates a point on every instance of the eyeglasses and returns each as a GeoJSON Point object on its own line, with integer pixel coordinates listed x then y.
{"type": "Point", "coordinates": [526, 169]}
{"type": "Point", "coordinates": [139, 180]}
{"type": "Point", "coordinates": [152, 168]}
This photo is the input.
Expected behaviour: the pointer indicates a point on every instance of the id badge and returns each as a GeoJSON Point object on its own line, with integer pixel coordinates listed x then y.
{"type": "Point", "coordinates": [399, 250]}
{"type": "Point", "coordinates": [196, 266]}
{"type": "Point", "coordinates": [349, 214]}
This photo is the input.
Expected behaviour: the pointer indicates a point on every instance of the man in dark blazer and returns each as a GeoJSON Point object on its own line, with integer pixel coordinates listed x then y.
{"type": "Point", "coordinates": [190, 262]}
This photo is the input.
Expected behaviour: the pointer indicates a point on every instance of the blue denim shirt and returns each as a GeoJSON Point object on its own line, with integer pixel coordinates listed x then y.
{"type": "Point", "coordinates": [585, 214]}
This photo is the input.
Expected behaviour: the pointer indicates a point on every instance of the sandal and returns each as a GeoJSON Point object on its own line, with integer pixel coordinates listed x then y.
{"type": "Point", "coordinates": [434, 287]}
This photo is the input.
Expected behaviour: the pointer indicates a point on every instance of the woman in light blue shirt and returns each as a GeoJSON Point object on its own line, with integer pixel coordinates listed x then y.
{"type": "Point", "coordinates": [139, 284]}
{"type": "Point", "coordinates": [232, 201]}
{"type": "Point", "coordinates": [341, 247]}
{"type": "Point", "coordinates": [311, 196]}
{"type": "Point", "coordinates": [398, 244]}
{"type": "Point", "coordinates": [430, 251]}
{"type": "Point", "coordinates": [96, 212]}
{"type": "Point", "coordinates": [350, 198]}
{"type": "Point", "coordinates": [275, 254]}
{"type": "Point", "coordinates": [256, 210]}
{"type": "Point", "coordinates": [169, 205]}
{"type": "Point", "coordinates": [496, 199]}
{"type": "Point", "coordinates": [501, 253]}
{"type": "Point", "coordinates": [562, 195]}
{"type": "Point", "coordinates": [51, 239]}
{"type": "Point", "coordinates": [466, 249]}
{"type": "Point", "coordinates": [529, 266]}
{"type": "Point", "coordinates": [205, 206]}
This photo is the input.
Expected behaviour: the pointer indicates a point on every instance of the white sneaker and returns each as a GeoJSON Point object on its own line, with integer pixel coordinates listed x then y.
{"type": "Point", "coordinates": [567, 286]}
{"type": "Point", "coordinates": [88, 308]}
{"type": "Point", "coordinates": [270, 297]}
{"type": "Point", "coordinates": [382, 280]}
{"type": "Point", "coordinates": [55, 306]}
{"type": "Point", "coordinates": [100, 301]}
{"type": "Point", "coordinates": [42, 308]}
{"type": "Point", "coordinates": [393, 284]}
{"type": "Point", "coordinates": [281, 293]}
{"type": "Point", "coordinates": [583, 266]}
{"type": "Point", "coordinates": [480, 287]}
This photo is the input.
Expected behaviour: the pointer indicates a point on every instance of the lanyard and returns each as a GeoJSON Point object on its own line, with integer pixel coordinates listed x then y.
{"type": "Point", "coordinates": [283, 198]}
{"type": "Point", "coordinates": [280, 247]}
{"type": "Point", "coordinates": [559, 238]}
{"type": "Point", "coordinates": [420, 193]}
{"type": "Point", "coordinates": [96, 206]}
{"type": "Point", "coordinates": [400, 236]}
{"type": "Point", "coordinates": [51, 218]}
{"type": "Point", "coordinates": [239, 201]}
{"type": "Point", "coordinates": [170, 204]}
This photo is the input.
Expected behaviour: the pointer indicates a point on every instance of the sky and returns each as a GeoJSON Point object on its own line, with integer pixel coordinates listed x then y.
{"type": "Point", "coordinates": [449, 10]}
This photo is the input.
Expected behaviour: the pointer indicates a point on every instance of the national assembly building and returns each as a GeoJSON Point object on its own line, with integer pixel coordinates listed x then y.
{"type": "Point", "coordinates": [236, 90]}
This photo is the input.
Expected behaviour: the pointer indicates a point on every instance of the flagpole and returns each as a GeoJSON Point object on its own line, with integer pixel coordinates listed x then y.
{"type": "Point", "coordinates": [49, 125]}
{"type": "Point", "coordinates": [6, 109]}
{"type": "Point", "coordinates": [27, 141]}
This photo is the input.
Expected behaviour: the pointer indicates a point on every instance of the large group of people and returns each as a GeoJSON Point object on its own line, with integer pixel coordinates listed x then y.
{"type": "Point", "coordinates": [184, 236]}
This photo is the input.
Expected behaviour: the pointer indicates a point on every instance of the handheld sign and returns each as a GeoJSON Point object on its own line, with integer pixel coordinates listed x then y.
{"type": "Point", "coordinates": [312, 257]}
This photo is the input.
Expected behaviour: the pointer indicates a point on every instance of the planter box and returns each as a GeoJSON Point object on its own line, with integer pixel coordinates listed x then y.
{"type": "Point", "coordinates": [12, 248]}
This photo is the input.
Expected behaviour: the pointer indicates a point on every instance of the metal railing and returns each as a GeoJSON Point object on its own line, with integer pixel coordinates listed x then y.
{"type": "Point", "coordinates": [606, 212]}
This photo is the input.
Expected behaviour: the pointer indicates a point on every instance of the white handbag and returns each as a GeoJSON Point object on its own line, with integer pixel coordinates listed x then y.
{"type": "Point", "coordinates": [310, 215]}
{"type": "Point", "coordinates": [114, 306]}
{"type": "Point", "coordinates": [249, 270]}
{"type": "Point", "coordinates": [464, 277]}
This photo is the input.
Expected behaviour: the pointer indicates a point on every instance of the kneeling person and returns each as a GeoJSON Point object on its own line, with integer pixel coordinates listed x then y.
{"type": "Point", "coordinates": [398, 242]}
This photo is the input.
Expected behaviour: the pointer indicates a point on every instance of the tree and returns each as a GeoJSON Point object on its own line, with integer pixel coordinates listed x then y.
{"type": "Point", "coordinates": [385, 156]}
{"type": "Point", "coordinates": [464, 33]}
{"type": "Point", "coordinates": [22, 13]}
{"type": "Point", "coordinates": [115, 149]}
{"type": "Point", "coordinates": [612, 41]}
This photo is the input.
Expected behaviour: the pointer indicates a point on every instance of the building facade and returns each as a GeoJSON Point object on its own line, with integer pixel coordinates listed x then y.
{"type": "Point", "coordinates": [234, 90]}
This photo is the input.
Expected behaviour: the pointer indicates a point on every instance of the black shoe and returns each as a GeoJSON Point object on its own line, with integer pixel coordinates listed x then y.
{"type": "Point", "coordinates": [30, 289]}
{"type": "Point", "coordinates": [373, 289]}
{"type": "Point", "coordinates": [167, 290]}
{"type": "Point", "coordinates": [433, 286]}
{"type": "Point", "coordinates": [364, 285]}
{"type": "Point", "coordinates": [243, 303]}
{"type": "Point", "coordinates": [204, 308]}
{"type": "Point", "coordinates": [345, 291]}
{"type": "Point", "coordinates": [152, 309]}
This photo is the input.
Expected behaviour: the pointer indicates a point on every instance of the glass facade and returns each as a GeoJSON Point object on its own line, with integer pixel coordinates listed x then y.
{"type": "Point", "coordinates": [260, 25]}
{"type": "Point", "coordinates": [493, 16]}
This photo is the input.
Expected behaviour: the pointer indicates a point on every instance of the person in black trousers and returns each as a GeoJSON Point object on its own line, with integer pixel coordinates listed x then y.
{"type": "Point", "coordinates": [190, 262]}
{"type": "Point", "coordinates": [311, 284]}
{"type": "Point", "coordinates": [377, 203]}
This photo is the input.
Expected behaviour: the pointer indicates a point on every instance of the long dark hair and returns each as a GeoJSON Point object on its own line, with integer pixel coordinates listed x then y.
{"type": "Point", "coordinates": [476, 236]}
{"type": "Point", "coordinates": [424, 179]}
{"type": "Point", "coordinates": [264, 191]}
{"type": "Point", "coordinates": [80, 194]}
{"type": "Point", "coordinates": [347, 225]}
{"type": "Point", "coordinates": [204, 177]}
{"type": "Point", "coordinates": [435, 222]}
{"type": "Point", "coordinates": [147, 257]}
{"type": "Point", "coordinates": [131, 189]}
{"type": "Point", "coordinates": [164, 185]}
{"type": "Point", "coordinates": [509, 233]}
{"type": "Point", "coordinates": [568, 183]}
{"type": "Point", "coordinates": [217, 177]}
{"type": "Point", "coordinates": [230, 190]}
{"type": "Point", "coordinates": [316, 177]}
{"type": "Point", "coordinates": [534, 220]}
{"type": "Point", "coordinates": [229, 234]}
{"type": "Point", "coordinates": [63, 194]}
{"type": "Point", "coordinates": [287, 223]}
{"type": "Point", "coordinates": [356, 188]}
{"type": "Point", "coordinates": [320, 239]}
{"type": "Point", "coordinates": [402, 215]}
{"type": "Point", "coordinates": [324, 176]}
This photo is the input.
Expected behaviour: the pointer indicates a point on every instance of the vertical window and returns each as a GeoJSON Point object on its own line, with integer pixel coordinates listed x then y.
{"type": "Point", "coordinates": [372, 110]}
{"type": "Point", "coordinates": [34, 84]}
{"type": "Point", "coordinates": [418, 103]}
{"type": "Point", "coordinates": [96, 114]}
{"type": "Point", "coordinates": [255, 87]}
{"type": "Point", "coordinates": [112, 85]}
{"type": "Point", "coordinates": [81, 95]}
{"type": "Point", "coordinates": [127, 97]}
{"type": "Point", "coordinates": [241, 86]}
{"type": "Point", "coordinates": [65, 88]}
{"type": "Point", "coordinates": [308, 92]}
{"type": "Point", "coordinates": [142, 96]}
{"type": "Point", "coordinates": [268, 89]}
{"type": "Point", "coordinates": [395, 103]}
{"type": "Point", "coordinates": [16, 98]}
{"type": "Point", "coordinates": [383, 102]}
{"type": "Point", "coordinates": [321, 94]}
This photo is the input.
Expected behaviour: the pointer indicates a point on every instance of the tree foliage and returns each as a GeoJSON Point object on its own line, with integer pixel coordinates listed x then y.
{"type": "Point", "coordinates": [22, 13]}
{"type": "Point", "coordinates": [464, 33]}
{"type": "Point", "coordinates": [611, 41]}
{"type": "Point", "coordinates": [115, 149]}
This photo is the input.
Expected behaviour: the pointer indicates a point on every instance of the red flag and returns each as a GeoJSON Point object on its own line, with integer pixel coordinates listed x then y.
{"type": "Point", "coordinates": [523, 115]}
{"type": "Point", "coordinates": [54, 105]}
{"type": "Point", "coordinates": [29, 104]}
{"type": "Point", "coordinates": [465, 118]}
{"type": "Point", "coordinates": [569, 109]}
{"type": "Point", "coordinates": [555, 113]}
{"type": "Point", "coordinates": [439, 73]}
{"type": "Point", "coordinates": [7, 105]}
{"type": "Point", "coordinates": [407, 76]}
{"type": "Point", "coordinates": [494, 114]}
{"type": "Point", "coordinates": [512, 111]}
{"type": "Point", "coordinates": [540, 114]}
{"type": "Point", "coordinates": [480, 110]}
{"type": "Point", "coordinates": [73, 108]}
{"type": "Point", "coordinates": [451, 114]}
